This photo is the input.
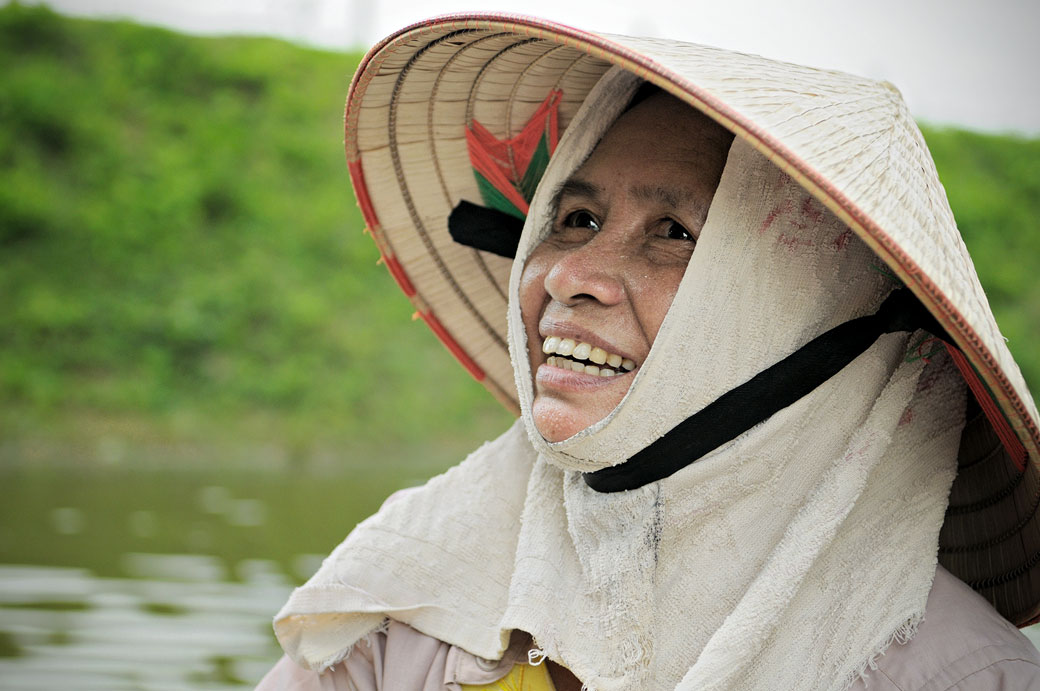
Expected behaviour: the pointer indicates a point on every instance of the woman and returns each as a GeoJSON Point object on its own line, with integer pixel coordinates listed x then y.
{"type": "Point", "coordinates": [739, 430]}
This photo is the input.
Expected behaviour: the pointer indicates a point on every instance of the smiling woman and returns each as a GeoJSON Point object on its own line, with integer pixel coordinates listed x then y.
{"type": "Point", "coordinates": [769, 434]}
{"type": "Point", "coordinates": [599, 285]}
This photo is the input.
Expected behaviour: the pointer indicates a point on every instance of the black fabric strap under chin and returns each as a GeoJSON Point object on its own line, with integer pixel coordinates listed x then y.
{"type": "Point", "coordinates": [773, 389]}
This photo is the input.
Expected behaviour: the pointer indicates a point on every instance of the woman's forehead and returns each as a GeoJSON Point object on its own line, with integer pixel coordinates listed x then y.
{"type": "Point", "coordinates": [661, 152]}
{"type": "Point", "coordinates": [666, 124]}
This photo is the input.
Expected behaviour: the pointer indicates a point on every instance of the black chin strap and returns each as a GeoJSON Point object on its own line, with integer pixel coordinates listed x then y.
{"type": "Point", "coordinates": [484, 228]}
{"type": "Point", "coordinates": [773, 389]}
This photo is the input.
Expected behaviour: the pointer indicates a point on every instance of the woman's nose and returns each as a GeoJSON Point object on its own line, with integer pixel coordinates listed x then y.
{"type": "Point", "coordinates": [592, 271]}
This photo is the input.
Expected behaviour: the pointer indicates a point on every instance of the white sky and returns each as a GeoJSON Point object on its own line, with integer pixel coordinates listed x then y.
{"type": "Point", "coordinates": [971, 63]}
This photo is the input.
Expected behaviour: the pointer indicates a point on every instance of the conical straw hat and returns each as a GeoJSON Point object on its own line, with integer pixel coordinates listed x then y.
{"type": "Point", "coordinates": [848, 140]}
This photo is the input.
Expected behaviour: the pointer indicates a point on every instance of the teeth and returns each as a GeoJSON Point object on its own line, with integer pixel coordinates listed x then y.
{"type": "Point", "coordinates": [584, 351]}
{"type": "Point", "coordinates": [593, 370]}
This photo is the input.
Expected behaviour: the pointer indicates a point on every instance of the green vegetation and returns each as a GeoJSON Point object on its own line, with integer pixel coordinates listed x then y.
{"type": "Point", "coordinates": [993, 183]}
{"type": "Point", "coordinates": [182, 258]}
{"type": "Point", "coordinates": [182, 253]}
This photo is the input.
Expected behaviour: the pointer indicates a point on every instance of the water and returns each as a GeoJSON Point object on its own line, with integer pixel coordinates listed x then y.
{"type": "Point", "coordinates": [163, 579]}
{"type": "Point", "coordinates": [66, 628]}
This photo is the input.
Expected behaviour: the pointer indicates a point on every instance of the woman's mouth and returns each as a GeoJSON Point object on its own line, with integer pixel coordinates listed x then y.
{"type": "Point", "coordinates": [578, 356]}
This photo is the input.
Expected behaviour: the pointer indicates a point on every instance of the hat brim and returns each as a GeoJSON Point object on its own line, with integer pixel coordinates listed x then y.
{"type": "Point", "coordinates": [849, 141]}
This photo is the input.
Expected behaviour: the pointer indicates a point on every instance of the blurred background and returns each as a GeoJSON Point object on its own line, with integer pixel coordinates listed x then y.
{"type": "Point", "coordinates": [205, 379]}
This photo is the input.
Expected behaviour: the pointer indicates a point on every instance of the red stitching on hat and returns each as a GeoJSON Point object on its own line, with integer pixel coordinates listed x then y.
{"type": "Point", "coordinates": [367, 210]}
{"type": "Point", "coordinates": [996, 418]}
{"type": "Point", "coordinates": [364, 202]}
{"type": "Point", "coordinates": [450, 343]}
{"type": "Point", "coordinates": [397, 271]}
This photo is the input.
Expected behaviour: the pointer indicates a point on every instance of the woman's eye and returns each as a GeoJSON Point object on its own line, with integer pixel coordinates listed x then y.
{"type": "Point", "coordinates": [675, 231]}
{"type": "Point", "coordinates": [581, 219]}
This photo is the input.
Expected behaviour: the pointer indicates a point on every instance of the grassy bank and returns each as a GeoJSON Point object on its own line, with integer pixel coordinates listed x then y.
{"type": "Point", "coordinates": [182, 255]}
{"type": "Point", "coordinates": [183, 262]}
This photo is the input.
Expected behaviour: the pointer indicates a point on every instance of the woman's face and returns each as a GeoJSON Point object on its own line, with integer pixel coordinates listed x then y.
{"type": "Point", "coordinates": [593, 294]}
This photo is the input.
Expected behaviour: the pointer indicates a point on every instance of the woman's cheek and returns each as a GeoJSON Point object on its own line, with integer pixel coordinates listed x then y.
{"type": "Point", "coordinates": [532, 299]}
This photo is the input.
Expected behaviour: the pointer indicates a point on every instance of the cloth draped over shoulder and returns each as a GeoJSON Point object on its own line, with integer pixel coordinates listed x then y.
{"type": "Point", "coordinates": [963, 644]}
{"type": "Point", "coordinates": [789, 557]}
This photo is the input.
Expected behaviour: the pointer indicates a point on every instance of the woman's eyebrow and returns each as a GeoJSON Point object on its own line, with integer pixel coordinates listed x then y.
{"type": "Point", "coordinates": [576, 187]}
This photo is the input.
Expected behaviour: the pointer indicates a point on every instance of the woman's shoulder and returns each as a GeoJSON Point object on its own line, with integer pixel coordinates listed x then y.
{"type": "Point", "coordinates": [963, 644]}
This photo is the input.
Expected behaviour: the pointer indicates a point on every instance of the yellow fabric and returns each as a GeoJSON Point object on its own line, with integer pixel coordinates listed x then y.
{"type": "Point", "coordinates": [522, 677]}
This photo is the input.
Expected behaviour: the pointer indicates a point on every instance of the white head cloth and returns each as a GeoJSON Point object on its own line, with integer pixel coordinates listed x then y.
{"type": "Point", "coordinates": [786, 558]}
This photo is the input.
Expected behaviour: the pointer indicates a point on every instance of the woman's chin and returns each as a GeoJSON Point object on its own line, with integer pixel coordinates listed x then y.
{"type": "Point", "coordinates": [566, 402]}
{"type": "Point", "coordinates": [559, 420]}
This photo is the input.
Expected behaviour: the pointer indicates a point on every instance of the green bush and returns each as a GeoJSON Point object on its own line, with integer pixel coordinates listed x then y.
{"type": "Point", "coordinates": [993, 183]}
{"type": "Point", "coordinates": [178, 234]}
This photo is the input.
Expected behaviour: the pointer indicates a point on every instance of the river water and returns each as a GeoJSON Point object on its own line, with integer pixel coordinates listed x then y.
{"type": "Point", "coordinates": [162, 579]}
{"type": "Point", "coordinates": [177, 626]}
